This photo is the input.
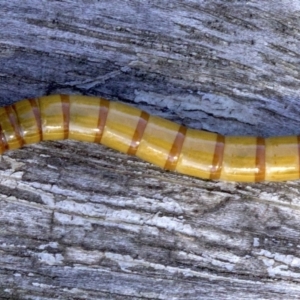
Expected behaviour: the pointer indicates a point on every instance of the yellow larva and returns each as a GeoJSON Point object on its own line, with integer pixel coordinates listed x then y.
{"type": "Point", "coordinates": [164, 143]}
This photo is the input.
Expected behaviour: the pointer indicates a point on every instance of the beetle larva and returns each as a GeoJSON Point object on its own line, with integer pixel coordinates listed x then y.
{"type": "Point", "coordinates": [164, 143]}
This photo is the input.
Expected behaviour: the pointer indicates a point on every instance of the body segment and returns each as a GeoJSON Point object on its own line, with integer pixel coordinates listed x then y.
{"type": "Point", "coordinates": [164, 143]}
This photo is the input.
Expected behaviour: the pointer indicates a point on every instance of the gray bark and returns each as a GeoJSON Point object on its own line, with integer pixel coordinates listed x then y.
{"type": "Point", "coordinates": [80, 221]}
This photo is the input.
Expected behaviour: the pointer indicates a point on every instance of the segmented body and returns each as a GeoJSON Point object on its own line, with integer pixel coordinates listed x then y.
{"type": "Point", "coordinates": [164, 143]}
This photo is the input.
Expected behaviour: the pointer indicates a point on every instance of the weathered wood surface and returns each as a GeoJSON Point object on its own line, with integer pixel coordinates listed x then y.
{"type": "Point", "coordinates": [80, 221]}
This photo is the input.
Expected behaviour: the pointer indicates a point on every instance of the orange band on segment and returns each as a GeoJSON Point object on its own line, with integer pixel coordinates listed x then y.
{"type": "Point", "coordinates": [138, 134]}
{"type": "Point", "coordinates": [3, 142]}
{"type": "Point", "coordinates": [37, 115]}
{"type": "Point", "coordinates": [298, 142]}
{"type": "Point", "coordinates": [15, 124]}
{"type": "Point", "coordinates": [103, 112]}
{"type": "Point", "coordinates": [218, 158]}
{"type": "Point", "coordinates": [176, 149]}
{"type": "Point", "coordinates": [65, 102]}
{"type": "Point", "coordinates": [260, 161]}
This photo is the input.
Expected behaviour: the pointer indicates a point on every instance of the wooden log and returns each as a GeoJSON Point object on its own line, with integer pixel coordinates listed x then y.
{"type": "Point", "coordinates": [80, 221]}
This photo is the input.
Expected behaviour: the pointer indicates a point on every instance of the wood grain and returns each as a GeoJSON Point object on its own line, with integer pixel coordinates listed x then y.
{"type": "Point", "coordinates": [80, 221]}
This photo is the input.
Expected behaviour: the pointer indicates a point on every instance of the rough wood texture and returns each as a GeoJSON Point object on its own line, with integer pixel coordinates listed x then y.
{"type": "Point", "coordinates": [79, 221]}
